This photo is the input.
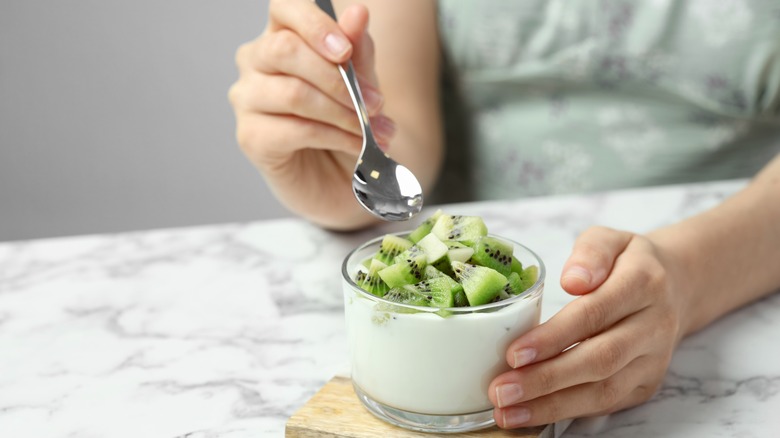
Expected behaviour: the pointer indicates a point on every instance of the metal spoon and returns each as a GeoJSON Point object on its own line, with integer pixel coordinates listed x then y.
{"type": "Point", "coordinates": [385, 188]}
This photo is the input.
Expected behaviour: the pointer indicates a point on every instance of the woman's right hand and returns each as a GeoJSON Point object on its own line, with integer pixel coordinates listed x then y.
{"type": "Point", "coordinates": [295, 120]}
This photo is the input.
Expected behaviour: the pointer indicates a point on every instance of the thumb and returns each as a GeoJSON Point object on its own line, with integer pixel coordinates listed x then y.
{"type": "Point", "coordinates": [592, 258]}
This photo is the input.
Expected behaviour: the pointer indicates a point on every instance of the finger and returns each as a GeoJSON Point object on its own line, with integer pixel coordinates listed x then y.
{"type": "Point", "coordinates": [592, 360]}
{"type": "Point", "coordinates": [581, 319]}
{"type": "Point", "coordinates": [592, 258]}
{"type": "Point", "coordinates": [619, 390]}
{"type": "Point", "coordinates": [316, 28]}
{"type": "Point", "coordinates": [289, 95]}
{"type": "Point", "coordinates": [285, 53]}
{"type": "Point", "coordinates": [269, 139]}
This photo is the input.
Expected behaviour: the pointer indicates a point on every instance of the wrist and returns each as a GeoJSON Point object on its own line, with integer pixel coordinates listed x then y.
{"type": "Point", "coordinates": [721, 259]}
{"type": "Point", "coordinates": [681, 281]}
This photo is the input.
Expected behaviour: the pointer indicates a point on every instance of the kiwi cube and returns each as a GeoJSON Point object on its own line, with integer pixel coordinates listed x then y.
{"type": "Point", "coordinates": [514, 284]}
{"type": "Point", "coordinates": [391, 247]}
{"type": "Point", "coordinates": [517, 265]}
{"type": "Point", "coordinates": [424, 228]}
{"type": "Point", "coordinates": [435, 292]}
{"type": "Point", "coordinates": [432, 272]}
{"type": "Point", "coordinates": [529, 276]}
{"type": "Point", "coordinates": [433, 248]}
{"type": "Point", "coordinates": [402, 272]}
{"type": "Point", "coordinates": [459, 252]}
{"type": "Point", "coordinates": [370, 281]}
{"type": "Point", "coordinates": [456, 252]}
{"type": "Point", "coordinates": [439, 291]}
{"type": "Point", "coordinates": [406, 294]}
{"type": "Point", "coordinates": [410, 253]}
{"type": "Point", "coordinates": [493, 253]}
{"type": "Point", "coordinates": [481, 284]}
{"type": "Point", "coordinates": [466, 229]}
{"type": "Point", "coordinates": [460, 299]}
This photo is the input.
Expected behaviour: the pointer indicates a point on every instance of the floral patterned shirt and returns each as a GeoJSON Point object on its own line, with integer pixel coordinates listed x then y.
{"type": "Point", "coordinates": [584, 95]}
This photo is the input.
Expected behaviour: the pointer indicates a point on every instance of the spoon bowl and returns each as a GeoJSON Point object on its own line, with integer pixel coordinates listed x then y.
{"type": "Point", "coordinates": [385, 188]}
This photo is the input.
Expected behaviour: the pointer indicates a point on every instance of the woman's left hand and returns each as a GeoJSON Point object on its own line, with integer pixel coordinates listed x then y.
{"type": "Point", "coordinates": [622, 330]}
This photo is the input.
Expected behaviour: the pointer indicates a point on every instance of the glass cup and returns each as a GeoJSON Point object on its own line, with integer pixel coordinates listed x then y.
{"type": "Point", "coordinates": [425, 369]}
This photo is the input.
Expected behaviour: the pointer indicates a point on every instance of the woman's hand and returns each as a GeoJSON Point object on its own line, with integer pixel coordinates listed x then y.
{"type": "Point", "coordinates": [639, 296]}
{"type": "Point", "coordinates": [622, 330]}
{"type": "Point", "coordinates": [295, 120]}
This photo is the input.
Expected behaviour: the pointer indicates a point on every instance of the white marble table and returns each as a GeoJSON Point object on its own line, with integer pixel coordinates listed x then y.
{"type": "Point", "coordinates": [226, 330]}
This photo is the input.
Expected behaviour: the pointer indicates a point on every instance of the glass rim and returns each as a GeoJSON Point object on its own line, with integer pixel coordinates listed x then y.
{"type": "Point", "coordinates": [529, 293]}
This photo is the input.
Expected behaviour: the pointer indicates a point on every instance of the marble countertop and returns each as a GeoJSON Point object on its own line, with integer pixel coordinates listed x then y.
{"type": "Point", "coordinates": [226, 330]}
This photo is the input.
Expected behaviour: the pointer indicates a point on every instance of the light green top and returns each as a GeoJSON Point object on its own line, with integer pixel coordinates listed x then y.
{"type": "Point", "coordinates": [586, 95]}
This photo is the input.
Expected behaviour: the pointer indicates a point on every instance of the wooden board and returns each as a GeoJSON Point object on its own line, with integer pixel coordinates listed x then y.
{"type": "Point", "coordinates": [336, 412]}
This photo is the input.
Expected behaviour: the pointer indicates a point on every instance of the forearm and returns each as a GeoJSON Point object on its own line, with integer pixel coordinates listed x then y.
{"type": "Point", "coordinates": [728, 256]}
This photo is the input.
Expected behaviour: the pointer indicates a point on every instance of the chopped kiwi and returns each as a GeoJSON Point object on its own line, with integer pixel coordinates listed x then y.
{"type": "Point", "coordinates": [459, 252]}
{"type": "Point", "coordinates": [456, 251]}
{"type": "Point", "coordinates": [408, 271]}
{"type": "Point", "coordinates": [390, 247]}
{"type": "Point", "coordinates": [370, 281]}
{"type": "Point", "coordinates": [406, 294]}
{"type": "Point", "coordinates": [432, 272]}
{"type": "Point", "coordinates": [514, 285]}
{"type": "Point", "coordinates": [493, 253]}
{"type": "Point", "coordinates": [529, 276]}
{"type": "Point", "coordinates": [412, 252]}
{"type": "Point", "coordinates": [424, 228]}
{"type": "Point", "coordinates": [460, 298]}
{"type": "Point", "coordinates": [502, 295]}
{"type": "Point", "coordinates": [433, 248]}
{"type": "Point", "coordinates": [481, 284]}
{"type": "Point", "coordinates": [448, 261]}
{"type": "Point", "coordinates": [435, 292]}
{"type": "Point", "coordinates": [516, 266]}
{"type": "Point", "coordinates": [466, 229]}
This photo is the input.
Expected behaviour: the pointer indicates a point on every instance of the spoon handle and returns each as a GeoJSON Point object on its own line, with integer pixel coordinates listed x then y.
{"type": "Point", "coordinates": [350, 79]}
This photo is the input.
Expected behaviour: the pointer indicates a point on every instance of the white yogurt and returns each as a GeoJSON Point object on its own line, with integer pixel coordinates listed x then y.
{"type": "Point", "coordinates": [425, 363]}
{"type": "Point", "coordinates": [428, 364]}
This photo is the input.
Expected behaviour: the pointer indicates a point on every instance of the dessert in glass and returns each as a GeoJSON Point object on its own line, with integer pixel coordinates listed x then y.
{"type": "Point", "coordinates": [429, 317]}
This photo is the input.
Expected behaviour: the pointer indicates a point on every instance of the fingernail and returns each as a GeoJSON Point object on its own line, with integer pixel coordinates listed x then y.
{"type": "Point", "coordinates": [508, 394]}
{"type": "Point", "coordinates": [383, 127]}
{"type": "Point", "coordinates": [578, 272]}
{"type": "Point", "coordinates": [516, 417]}
{"type": "Point", "coordinates": [336, 44]}
{"type": "Point", "coordinates": [372, 98]}
{"type": "Point", "coordinates": [523, 356]}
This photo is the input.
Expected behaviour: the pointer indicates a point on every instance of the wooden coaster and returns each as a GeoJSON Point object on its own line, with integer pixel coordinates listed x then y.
{"type": "Point", "coordinates": [336, 412]}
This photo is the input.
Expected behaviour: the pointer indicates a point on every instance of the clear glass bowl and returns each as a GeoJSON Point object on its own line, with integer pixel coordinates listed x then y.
{"type": "Point", "coordinates": [428, 370]}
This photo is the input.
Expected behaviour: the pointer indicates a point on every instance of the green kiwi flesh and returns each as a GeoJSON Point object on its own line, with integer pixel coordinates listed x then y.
{"type": "Point", "coordinates": [529, 276]}
{"type": "Point", "coordinates": [514, 285]}
{"type": "Point", "coordinates": [424, 228]}
{"type": "Point", "coordinates": [517, 266]}
{"type": "Point", "coordinates": [456, 251]}
{"type": "Point", "coordinates": [481, 284]}
{"type": "Point", "coordinates": [466, 229]}
{"type": "Point", "coordinates": [433, 248]}
{"type": "Point", "coordinates": [370, 281]}
{"type": "Point", "coordinates": [434, 292]}
{"type": "Point", "coordinates": [391, 247]}
{"type": "Point", "coordinates": [403, 272]}
{"type": "Point", "coordinates": [493, 253]}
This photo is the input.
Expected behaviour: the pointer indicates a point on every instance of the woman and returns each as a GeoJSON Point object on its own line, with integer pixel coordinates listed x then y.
{"type": "Point", "coordinates": [560, 97]}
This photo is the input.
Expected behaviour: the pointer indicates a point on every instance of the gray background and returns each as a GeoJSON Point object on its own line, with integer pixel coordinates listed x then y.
{"type": "Point", "coordinates": [114, 116]}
